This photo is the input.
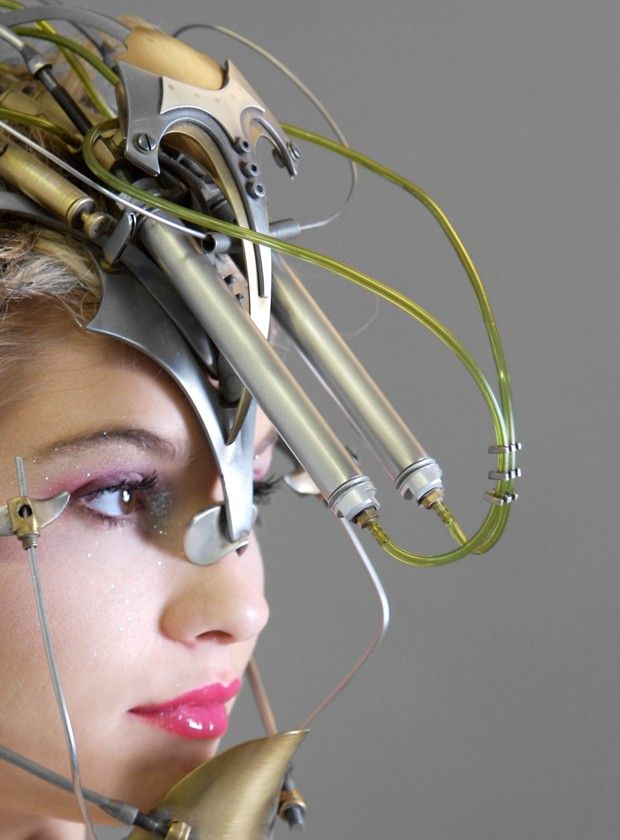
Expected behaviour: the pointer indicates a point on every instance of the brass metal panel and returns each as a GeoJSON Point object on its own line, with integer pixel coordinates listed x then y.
{"type": "Point", "coordinates": [232, 796]}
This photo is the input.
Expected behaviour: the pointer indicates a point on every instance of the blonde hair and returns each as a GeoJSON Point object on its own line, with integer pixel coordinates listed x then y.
{"type": "Point", "coordinates": [47, 283]}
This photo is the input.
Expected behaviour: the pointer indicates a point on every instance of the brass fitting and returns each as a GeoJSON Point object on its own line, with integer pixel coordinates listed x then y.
{"type": "Point", "coordinates": [367, 517]}
{"type": "Point", "coordinates": [431, 498]}
{"type": "Point", "coordinates": [179, 831]}
{"type": "Point", "coordinates": [290, 798]}
{"type": "Point", "coordinates": [23, 520]}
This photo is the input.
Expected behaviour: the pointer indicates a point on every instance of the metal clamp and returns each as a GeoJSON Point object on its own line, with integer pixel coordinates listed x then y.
{"type": "Point", "coordinates": [419, 479]}
{"type": "Point", "coordinates": [500, 501]}
{"type": "Point", "coordinates": [506, 475]}
{"type": "Point", "coordinates": [25, 517]}
{"type": "Point", "coordinates": [506, 449]}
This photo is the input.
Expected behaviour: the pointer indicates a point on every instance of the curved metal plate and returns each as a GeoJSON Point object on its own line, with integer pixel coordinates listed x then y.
{"type": "Point", "coordinates": [232, 796]}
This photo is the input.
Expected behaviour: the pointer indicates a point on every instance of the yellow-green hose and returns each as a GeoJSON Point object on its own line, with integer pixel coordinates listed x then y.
{"type": "Point", "coordinates": [21, 118]}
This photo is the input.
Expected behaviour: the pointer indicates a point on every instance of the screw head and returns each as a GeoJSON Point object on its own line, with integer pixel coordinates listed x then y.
{"type": "Point", "coordinates": [242, 146]}
{"type": "Point", "coordinates": [255, 189]}
{"type": "Point", "coordinates": [144, 142]}
{"type": "Point", "coordinates": [249, 168]}
{"type": "Point", "coordinates": [294, 151]}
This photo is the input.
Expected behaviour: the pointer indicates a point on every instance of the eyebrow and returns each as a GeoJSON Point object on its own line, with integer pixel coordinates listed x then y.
{"type": "Point", "coordinates": [141, 439]}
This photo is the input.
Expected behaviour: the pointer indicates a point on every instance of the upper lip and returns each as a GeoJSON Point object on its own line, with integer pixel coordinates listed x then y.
{"type": "Point", "coordinates": [203, 696]}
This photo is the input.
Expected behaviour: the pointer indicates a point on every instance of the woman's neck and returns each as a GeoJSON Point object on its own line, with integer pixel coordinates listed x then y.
{"type": "Point", "coordinates": [38, 828]}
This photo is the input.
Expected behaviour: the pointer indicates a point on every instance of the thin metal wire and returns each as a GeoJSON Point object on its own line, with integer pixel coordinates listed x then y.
{"type": "Point", "coordinates": [261, 698]}
{"type": "Point", "coordinates": [119, 810]}
{"type": "Point", "coordinates": [292, 77]}
{"type": "Point", "coordinates": [119, 199]}
{"type": "Point", "coordinates": [53, 669]}
{"type": "Point", "coordinates": [381, 629]}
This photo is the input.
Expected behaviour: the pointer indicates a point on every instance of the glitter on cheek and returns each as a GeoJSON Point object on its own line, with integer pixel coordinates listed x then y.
{"type": "Point", "coordinates": [158, 508]}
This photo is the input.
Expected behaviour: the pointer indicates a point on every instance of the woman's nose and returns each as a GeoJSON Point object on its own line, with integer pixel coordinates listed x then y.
{"type": "Point", "coordinates": [223, 602]}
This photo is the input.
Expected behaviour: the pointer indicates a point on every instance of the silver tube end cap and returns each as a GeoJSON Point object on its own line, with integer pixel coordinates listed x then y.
{"type": "Point", "coordinates": [353, 497]}
{"type": "Point", "coordinates": [419, 479]}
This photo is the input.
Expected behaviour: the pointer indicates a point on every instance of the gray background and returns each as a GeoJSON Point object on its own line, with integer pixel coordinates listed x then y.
{"type": "Point", "coordinates": [491, 711]}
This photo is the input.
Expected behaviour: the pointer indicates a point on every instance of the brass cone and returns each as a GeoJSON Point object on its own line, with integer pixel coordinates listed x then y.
{"type": "Point", "coordinates": [232, 796]}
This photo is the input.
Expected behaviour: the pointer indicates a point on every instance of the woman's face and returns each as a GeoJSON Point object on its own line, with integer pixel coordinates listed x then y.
{"type": "Point", "coordinates": [135, 625]}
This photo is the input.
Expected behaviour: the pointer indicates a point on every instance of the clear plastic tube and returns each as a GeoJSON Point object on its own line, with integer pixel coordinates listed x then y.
{"type": "Point", "coordinates": [33, 121]}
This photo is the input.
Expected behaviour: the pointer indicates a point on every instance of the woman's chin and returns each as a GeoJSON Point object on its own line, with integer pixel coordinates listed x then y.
{"type": "Point", "coordinates": [145, 779]}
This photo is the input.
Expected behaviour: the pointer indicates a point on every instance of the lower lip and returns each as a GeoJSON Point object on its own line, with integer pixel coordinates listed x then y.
{"type": "Point", "coordinates": [193, 722]}
{"type": "Point", "coordinates": [197, 716]}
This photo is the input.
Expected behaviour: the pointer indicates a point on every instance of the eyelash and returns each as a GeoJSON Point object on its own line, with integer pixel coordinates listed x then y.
{"type": "Point", "coordinates": [263, 490]}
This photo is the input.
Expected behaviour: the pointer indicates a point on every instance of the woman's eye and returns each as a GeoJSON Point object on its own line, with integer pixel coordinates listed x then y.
{"type": "Point", "coordinates": [127, 501]}
{"type": "Point", "coordinates": [114, 502]}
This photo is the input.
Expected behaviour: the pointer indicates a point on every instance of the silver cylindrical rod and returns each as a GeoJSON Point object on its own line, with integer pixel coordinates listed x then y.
{"type": "Point", "coordinates": [338, 368]}
{"type": "Point", "coordinates": [264, 374]}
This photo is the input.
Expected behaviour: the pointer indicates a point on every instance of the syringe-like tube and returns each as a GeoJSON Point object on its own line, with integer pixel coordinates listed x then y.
{"type": "Point", "coordinates": [344, 376]}
{"type": "Point", "coordinates": [313, 443]}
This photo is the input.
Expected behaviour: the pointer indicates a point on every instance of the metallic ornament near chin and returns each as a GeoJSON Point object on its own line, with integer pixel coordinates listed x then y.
{"type": "Point", "coordinates": [231, 797]}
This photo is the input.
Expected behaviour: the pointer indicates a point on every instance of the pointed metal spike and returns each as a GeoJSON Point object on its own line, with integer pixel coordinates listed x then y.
{"type": "Point", "coordinates": [245, 401]}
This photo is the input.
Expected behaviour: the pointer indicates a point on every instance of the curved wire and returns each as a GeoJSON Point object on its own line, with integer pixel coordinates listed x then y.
{"type": "Point", "coordinates": [94, 185]}
{"type": "Point", "coordinates": [382, 627]}
{"type": "Point", "coordinates": [292, 77]}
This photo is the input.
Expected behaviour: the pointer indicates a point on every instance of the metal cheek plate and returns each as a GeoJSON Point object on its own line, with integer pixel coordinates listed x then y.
{"type": "Point", "coordinates": [206, 539]}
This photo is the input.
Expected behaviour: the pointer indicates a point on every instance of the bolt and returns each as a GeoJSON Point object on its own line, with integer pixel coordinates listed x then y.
{"type": "Point", "coordinates": [144, 142]}
{"type": "Point", "coordinates": [249, 168]}
{"type": "Point", "coordinates": [241, 146]}
{"type": "Point", "coordinates": [294, 151]}
{"type": "Point", "coordinates": [255, 189]}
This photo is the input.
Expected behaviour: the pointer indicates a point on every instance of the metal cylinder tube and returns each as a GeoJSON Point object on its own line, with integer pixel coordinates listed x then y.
{"type": "Point", "coordinates": [230, 327]}
{"type": "Point", "coordinates": [35, 179]}
{"type": "Point", "coordinates": [334, 363]}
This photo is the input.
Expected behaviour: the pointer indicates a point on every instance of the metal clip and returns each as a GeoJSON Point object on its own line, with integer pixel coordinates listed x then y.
{"type": "Point", "coordinates": [120, 237]}
{"type": "Point", "coordinates": [507, 449]}
{"type": "Point", "coordinates": [507, 475]}
{"type": "Point", "coordinates": [25, 517]}
{"type": "Point", "coordinates": [500, 501]}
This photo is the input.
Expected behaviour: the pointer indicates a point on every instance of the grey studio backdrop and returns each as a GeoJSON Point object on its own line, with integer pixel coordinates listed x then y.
{"type": "Point", "coordinates": [492, 709]}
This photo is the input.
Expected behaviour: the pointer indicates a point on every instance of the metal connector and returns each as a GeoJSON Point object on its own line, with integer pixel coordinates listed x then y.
{"type": "Point", "coordinates": [25, 517]}
{"type": "Point", "coordinates": [353, 497]}
{"type": "Point", "coordinates": [508, 449]}
{"type": "Point", "coordinates": [500, 501]}
{"type": "Point", "coordinates": [506, 475]}
{"type": "Point", "coordinates": [419, 479]}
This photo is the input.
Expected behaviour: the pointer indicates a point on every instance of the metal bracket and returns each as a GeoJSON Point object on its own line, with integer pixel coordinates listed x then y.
{"type": "Point", "coordinates": [506, 475]}
{"type": "Point", "coordinates": [500, 501]}
{"type": "Point", "coordinates": [24, 517]}
{"type": "Point", "coordinates": [508, 449]}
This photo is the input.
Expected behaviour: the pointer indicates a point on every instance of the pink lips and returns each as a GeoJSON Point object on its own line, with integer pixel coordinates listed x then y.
{"type": "Point", "coordinates": [197, 714]}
